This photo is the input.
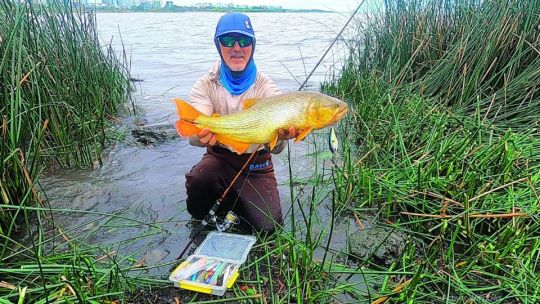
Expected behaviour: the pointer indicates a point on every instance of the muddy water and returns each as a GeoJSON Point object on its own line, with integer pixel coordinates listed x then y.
{"type": "Point", "coordinates": [142, 186]}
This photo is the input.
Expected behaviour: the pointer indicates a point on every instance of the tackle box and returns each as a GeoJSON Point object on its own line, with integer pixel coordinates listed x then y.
{"type": "Point", "coordinates": [217, 248]}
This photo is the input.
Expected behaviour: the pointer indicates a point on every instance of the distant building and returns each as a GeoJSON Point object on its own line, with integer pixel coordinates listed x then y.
{"type": "Point", "coordinates": [204, 5]}
{"type": "Point", "coordinates": [149, 4]}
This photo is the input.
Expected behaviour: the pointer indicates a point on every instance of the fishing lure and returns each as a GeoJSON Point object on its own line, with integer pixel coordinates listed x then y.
{"type": "Point", "coordinates": [333, 141]}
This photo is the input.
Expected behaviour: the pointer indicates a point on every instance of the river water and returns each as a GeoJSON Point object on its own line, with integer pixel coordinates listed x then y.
{"type": "Point", "coordinates": [143, 186]}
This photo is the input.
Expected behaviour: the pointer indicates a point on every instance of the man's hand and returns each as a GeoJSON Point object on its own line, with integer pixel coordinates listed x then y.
{"type": "Point", "coordinates": [288, 134]}
{"type": "Point", "coordinates": [205, 138]}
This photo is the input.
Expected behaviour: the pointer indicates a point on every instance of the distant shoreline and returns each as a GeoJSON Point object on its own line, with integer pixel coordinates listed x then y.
{"type": "Point", "coordinates": [163, 10]}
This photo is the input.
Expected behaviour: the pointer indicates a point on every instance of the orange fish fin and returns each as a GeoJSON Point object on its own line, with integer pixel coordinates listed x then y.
{"type": "Point", "coordinates": [186, 128]}
{"type": "Point", "coordinates": [273, 143]}
{"type": "Point", "coordinates": [303, 134]}
{"type": "Point", "coordinates": [248, 103]}
{"type": "Point", "coordinates": [238, 146]}
{"type": "Point", "coordinates": [186, 111]}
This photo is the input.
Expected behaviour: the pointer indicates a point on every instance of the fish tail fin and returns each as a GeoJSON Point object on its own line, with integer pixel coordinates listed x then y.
{"type": "Point", "coordinates": [186, 111]}
{"type": "Point", "coordinates": [185, 126]}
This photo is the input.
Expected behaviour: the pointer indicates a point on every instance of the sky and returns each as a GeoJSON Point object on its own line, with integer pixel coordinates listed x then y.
{"type": "Point", "coordinates": [331, 5]}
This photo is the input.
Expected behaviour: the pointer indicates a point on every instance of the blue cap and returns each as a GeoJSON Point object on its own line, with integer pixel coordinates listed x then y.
{"type": "Point", "coordinates": [234, 23]}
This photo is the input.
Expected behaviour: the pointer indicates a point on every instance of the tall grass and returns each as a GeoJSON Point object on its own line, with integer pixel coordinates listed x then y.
{"type": "Point", "coordinates": [443, 146]}
{"type": "Point", "coordinates": [463, 53]}
{"type": "Point", "coordinates": [59, 88]}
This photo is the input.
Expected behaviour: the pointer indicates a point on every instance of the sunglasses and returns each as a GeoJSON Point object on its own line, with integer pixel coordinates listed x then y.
{"type": "Point", "coordinates": [228, 41]}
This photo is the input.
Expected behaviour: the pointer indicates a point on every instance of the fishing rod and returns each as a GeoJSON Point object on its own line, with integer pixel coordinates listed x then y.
{"type": "Point", "coordinates": [211, 216]}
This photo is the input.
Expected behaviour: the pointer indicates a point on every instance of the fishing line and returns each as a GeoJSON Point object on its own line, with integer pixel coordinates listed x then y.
{"type": "Point", "coordinates": [330, 47]}
{"type": "Point", "coordinates": [299, 89]}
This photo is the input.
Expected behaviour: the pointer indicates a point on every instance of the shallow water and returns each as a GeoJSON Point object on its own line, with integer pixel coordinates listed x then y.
{"type": "Point", "coordinates": [143, 186]}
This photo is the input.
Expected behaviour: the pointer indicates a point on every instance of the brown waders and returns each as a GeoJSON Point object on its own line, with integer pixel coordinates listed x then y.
{"type": "Point", "coordinates": [254, 196]}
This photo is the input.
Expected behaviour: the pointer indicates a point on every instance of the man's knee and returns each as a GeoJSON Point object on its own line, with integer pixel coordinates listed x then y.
{"type": "Point", "coordinates": [199, 181]}
{"type": "Point", "coordinates": [196, 209]}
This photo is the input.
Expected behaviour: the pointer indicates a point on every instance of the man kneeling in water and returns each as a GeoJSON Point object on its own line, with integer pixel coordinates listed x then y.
{"type": "Point", "coordinates": [254, 195]}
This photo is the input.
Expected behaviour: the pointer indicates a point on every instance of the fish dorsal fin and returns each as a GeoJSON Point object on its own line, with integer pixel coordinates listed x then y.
{"type": "Point", "coordinates": [248, 103]}
{"type": "Point", "coordinates": [273, 143]}
{"type": "Point", "coordinates": [303, 134]}
{"type": "Point", "coordinates": [238, 146]}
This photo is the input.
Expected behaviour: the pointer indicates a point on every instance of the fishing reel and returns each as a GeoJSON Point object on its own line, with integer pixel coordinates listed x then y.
{"type": "Point", "coordinates": [230, 219]}
{"type": "Point", "coordinates": [221, 224]}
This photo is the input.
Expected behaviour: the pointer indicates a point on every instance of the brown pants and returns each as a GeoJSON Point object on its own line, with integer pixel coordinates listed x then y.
{"type": "Point", "coordinates": [254, 196]}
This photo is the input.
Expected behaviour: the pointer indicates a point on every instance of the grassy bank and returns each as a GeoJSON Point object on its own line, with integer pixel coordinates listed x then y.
{"type": "Point", "coordinates": [444, 146]}
{"type": "Point", "coordinates": [59, 89]}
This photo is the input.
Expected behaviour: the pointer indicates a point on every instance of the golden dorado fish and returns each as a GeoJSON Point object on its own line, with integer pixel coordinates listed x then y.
{"type": "Point", "coordinates": [260, 119]}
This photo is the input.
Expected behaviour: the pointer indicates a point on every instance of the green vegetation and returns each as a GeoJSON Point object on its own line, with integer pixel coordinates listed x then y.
{"type": "Point", "coordinates": [58, 91]}
{"type": "Point", "coordinates": [444, 146]}
{"type": "Point", "coordinates": [441, 144]}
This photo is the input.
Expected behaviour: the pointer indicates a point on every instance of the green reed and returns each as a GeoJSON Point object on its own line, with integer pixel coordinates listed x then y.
{"type": "Point", "coordinates": [59, 90]}
{"type": "Point", "coordinates": [440, 178]}
{"type": "Point", "coordinates": [442, 145]}
{"type": "Point", "coordinates": [464, 53]}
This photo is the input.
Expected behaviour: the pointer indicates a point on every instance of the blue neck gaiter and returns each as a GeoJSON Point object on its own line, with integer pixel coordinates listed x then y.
{"type": "Point", "coordinates": [238, 82]}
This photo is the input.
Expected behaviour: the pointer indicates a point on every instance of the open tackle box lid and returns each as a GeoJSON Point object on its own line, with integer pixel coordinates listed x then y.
{"type": "Point", "coordinates": [226, 246]}
{"type": "Point", "coordinates": [217, 246]}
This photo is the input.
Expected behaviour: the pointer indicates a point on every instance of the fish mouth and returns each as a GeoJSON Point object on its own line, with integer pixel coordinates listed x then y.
{"type": "Point", "coordinates": [341, 113]}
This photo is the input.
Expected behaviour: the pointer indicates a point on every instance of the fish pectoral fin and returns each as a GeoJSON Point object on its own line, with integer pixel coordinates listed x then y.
{"type": "Point", "coordinates": [273, 143]}
{"type": "Point", "coordinates": [248, 103]}
{"type": "Point", "coordinates": [238, 146]}
{"type": "Point", "coordinates": [303, 134]}
{"type": "Point", "coordinates": [186, 128]}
